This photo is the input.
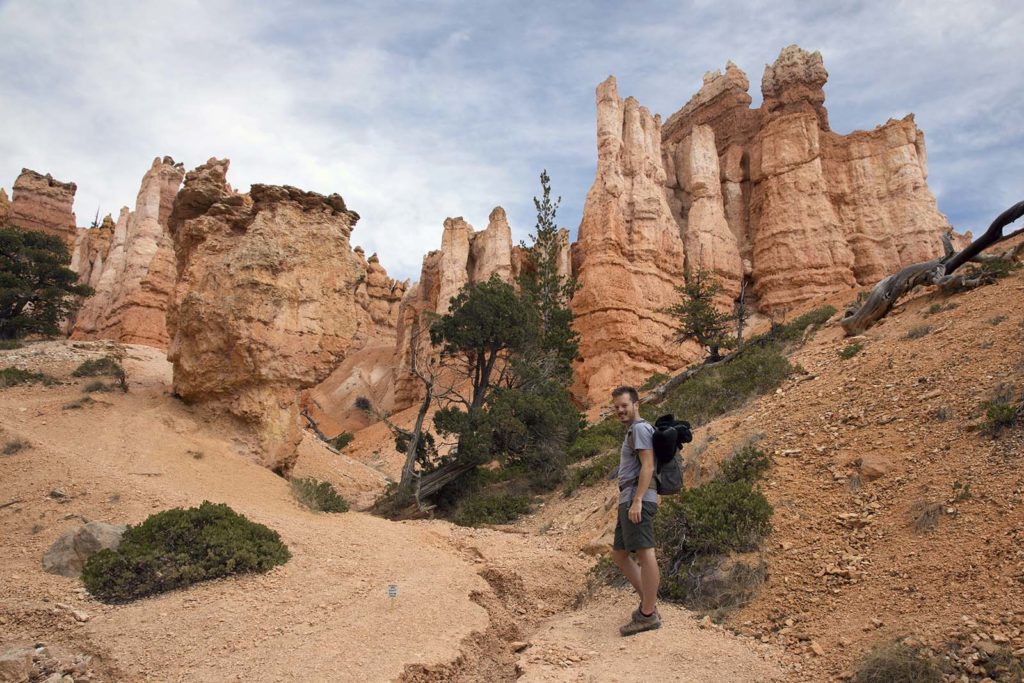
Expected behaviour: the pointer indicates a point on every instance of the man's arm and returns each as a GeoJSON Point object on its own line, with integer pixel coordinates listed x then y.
{"type": "Point", "coordinates": [646, 456]}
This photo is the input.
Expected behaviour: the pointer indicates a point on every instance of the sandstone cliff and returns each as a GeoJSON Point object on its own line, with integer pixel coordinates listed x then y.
{"type": "Point", "coordinates": [769, 195]}
{"type": "Point", "coordinates": [265, 303]}
{"type": "Point", "coordinates": [628, 256]}
{"type": "Point", "coordinates": [90, 251]}
{"type": "Point", "coordinates": [465, 257]}
{"type": "Point", "coordinates": [5, 207]}
{"type": "Point", "coordinates": [38, 202]}
{"type": "Point", "coordinates": [135, 276]}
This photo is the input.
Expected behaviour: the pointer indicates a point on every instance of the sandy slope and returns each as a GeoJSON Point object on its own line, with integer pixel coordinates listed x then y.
{"type": "Point", "coordinates": [463, 595]}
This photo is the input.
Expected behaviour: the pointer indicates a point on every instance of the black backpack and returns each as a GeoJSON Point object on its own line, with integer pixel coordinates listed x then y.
{"type": "Point", "coordinates": [669, 436]}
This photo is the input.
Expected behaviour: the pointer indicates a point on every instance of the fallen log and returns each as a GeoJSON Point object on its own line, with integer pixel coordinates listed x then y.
{"type": "Point", "coordinates": [938, 272]}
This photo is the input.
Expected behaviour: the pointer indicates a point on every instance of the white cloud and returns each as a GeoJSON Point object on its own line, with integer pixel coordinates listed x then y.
{"type": "Point", "coordinates": [417, 111]}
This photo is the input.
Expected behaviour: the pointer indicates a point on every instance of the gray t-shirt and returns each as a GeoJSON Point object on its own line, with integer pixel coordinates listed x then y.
{"type": "Point", "coordinates": [629, 463]}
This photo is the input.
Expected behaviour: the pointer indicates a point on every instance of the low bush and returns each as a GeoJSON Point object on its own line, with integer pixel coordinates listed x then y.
{"type": "Point", "coordinates": [108, 366]}
{"type": "Point", "coordinates": [756, 369]}
{"type": "Point", "coordinates": [897, 663]}
{"type": "Point", "coordinates": [97, 386]}
{"type": "Point", "coordinates": [493, 508]}
{"type": "Point", "coordinates": [716, 518]}
{"type": "Point", "coordinates": [850, 350]}
{"type": "Point", "coordinates": [603, 573]}
{"type": "Point", "coordinates": [1001, 412]}
{"type": "Point", "coordinates": [15, 446]}
{"type": "Point", "coordinates": [653, 381]}
{"type": "Point", "coordinates": [318, 495]}
{"type": "Point", "coordinates": [341, 440]}
{"type": "Point", "coordinates": [748, 463]}
{"type": "Point", "coordinates": [9, 377]}
{"type": "Point", "coordinates": [794, 330]}
{"type": "Point", "coordinates": [179, 547]}
{"type": "Point", "coordinates": [10, 344]}
{"type": "Point", "coordinates": [79, 403]}
{"type": "Point", "coordinates": [715, 583]}
{"type": "Point", "coordinates": [596, 439]}
{"type": "Point", "coordinates": [592, 473]}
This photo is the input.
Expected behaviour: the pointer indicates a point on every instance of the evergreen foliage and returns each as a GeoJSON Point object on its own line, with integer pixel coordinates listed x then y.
{"type": "Point", "coordinates": [696, 315]}
{"type": "Point", "coordinates": [37, 289]}
{"type": "Point", "coordinates": [177, 548]}
{"type": "Point", "coordinates": [318, 495]}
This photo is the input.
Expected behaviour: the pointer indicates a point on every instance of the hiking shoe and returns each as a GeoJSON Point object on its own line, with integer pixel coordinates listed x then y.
{"type": "Point", "coordinates": [637, 615]}
{"type": "Point", "coordinates": [641, 623]}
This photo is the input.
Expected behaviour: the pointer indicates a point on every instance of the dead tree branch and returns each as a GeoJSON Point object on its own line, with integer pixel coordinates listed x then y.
{"type": "Point", "coordinates": [938, 272]}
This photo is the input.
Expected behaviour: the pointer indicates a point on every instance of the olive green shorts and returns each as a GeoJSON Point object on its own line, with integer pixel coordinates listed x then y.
{"type": "Point", "coordinates": [629, 536]}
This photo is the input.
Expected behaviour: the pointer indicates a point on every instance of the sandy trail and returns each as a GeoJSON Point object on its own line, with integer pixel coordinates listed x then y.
{"type": "Point", "coordinates": [464, 595]}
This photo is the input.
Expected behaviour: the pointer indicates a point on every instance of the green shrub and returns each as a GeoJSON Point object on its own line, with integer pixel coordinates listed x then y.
{"type": "Point", "coordinates": [95, 367]}
{"type": "Point", "coordinates": [715, 583]}
{"type": "Point", "coordinates": [934, 308]}
{"type": "Point", "coordinates": [850, 350]}
{"type": "Point", "coordinates": [15, 446]}
{"type": "Point", "coordinates": [756, 370]}
{"type": "Point", "coordinates": [653, 381]}
{"type": "Point", "coordinates": [495, 508]}
{"type": "Point", "coordinates": [592, 473]}
{"type": "Point", "coordinates": [177, 548]}
{"type": "Point", "coordinates": [596, 439]}
{"type": "Point", "coordinates": [995, 320]}
{"type": "Point", "coordinates": [794, 330]}
{"type": "Point", "coordinates": [97, 385]}
{"type": "Point", "coordinates": [318, 495]}
{"type": "Point", "coordinates": [1001, 411]}
{"type": "Point", "coordinates": [12, 376]}
{"type": "Point", "coordinates": [897, 663]}
{"type": "Point", "coordinates": [10, 344]}
{"type": "Point", "coordinates": [341, 440]}
{"type": "Point", "coordinates": [748, 463]}
{"type": "Point", "coordinates": [713, 519]}
{"type": "Point", "coordinates": [79, 403]}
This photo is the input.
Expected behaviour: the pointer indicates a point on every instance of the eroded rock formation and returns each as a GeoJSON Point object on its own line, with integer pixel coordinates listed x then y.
{"type": "Point", "coordinates": [5, 207]}
{"type": "Point", "coordinates": [134, 276]}
{"type": "Point", "coordinates": [771, 195]}
{"type": "Point", "coordinates": [465, 257]}
{"type": "Point", "coordinates": [629, 254]}
{"type": "Point", "coordinates": [265, 303]}
{"type": "Point", "coordinates": [38, 202]}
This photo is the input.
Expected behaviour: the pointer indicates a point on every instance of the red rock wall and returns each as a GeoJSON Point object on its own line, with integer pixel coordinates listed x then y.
{"type": "Point", "coordinates": [38, 202]}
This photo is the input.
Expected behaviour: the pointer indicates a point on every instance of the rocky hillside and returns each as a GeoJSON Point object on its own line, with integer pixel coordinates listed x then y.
{"type": "Point", "coordinates": [471, 604]}
{"type": "Point", "coordinates": [896, 512]}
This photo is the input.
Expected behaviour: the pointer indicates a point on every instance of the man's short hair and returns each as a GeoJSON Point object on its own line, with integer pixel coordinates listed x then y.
{"type": "Point", "coordinates": [619, 391]}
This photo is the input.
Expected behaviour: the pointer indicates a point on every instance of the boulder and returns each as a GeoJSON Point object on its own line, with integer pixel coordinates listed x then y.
{"type": "Point", "coordinates": [69, 552]}
{"type": "Point", "coordinates": [873, 466]}
{"type": "Point", "coordinates": [15, 664]}
{"type": "Point", "coordinates": [265, 303]}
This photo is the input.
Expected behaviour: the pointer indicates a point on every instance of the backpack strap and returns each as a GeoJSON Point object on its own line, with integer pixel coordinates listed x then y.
{"type": "Point", "coordinates": [636, 454]}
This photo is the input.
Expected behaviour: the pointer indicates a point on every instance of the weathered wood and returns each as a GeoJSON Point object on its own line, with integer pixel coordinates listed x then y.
{"type": "Point", "coordinates": [429, 483]}
{"type": "Point", "coordinates": [938, 272]}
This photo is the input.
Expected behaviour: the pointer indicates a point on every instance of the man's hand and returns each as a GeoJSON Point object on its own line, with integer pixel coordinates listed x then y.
{"type": "Point", "coordinates": [636, 511]}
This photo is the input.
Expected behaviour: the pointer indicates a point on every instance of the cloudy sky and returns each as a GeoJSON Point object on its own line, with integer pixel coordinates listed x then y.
{"type": "Point", "coordinates": [414, 111]}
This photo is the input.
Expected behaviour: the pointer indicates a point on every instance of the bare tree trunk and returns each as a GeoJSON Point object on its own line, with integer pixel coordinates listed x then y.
{"type": "Point", "coordinates": [937, 272]}
{"type": "Point", "coordinates": [405, 486]}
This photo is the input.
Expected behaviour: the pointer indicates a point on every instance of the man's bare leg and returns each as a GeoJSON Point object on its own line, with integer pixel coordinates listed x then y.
{"type": "Point", "coordinates": [629, 568]}
{"type": "Point", "coordinates": [650, 577]}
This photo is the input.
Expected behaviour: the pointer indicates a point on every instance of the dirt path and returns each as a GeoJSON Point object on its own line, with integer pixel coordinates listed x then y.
{"type": "Point", "coordinates": [464, 597]}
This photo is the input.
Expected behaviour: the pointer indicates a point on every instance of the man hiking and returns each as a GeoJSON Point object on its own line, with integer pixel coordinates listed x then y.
{"type": "Point", "coordinates": [638, 501]}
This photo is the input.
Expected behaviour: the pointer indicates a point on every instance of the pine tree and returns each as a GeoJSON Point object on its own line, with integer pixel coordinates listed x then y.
{"type": "Point", "coordinates": [697, 317]}
{"type": "Point", "coordinates": [547, 293]}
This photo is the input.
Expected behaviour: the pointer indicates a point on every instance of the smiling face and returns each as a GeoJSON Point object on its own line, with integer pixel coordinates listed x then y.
{"type": "Point", "coordinates": [625, 408]}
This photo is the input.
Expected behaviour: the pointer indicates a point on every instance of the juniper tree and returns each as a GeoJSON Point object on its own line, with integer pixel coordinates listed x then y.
{"type": "Point", "coordinates": [37, 289]}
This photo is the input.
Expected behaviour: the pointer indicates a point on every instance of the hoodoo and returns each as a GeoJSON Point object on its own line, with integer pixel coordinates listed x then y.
{"type": "Point", "coordinates": [265, 303]}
